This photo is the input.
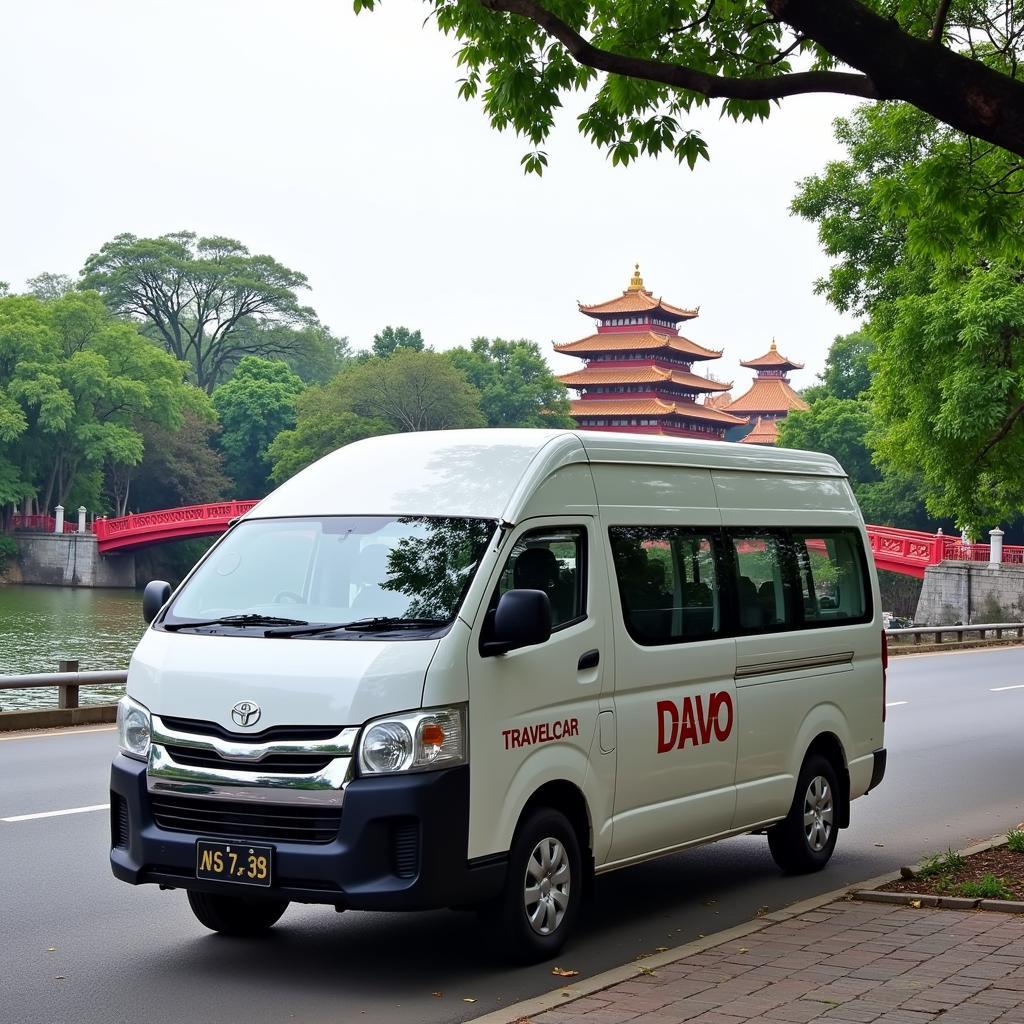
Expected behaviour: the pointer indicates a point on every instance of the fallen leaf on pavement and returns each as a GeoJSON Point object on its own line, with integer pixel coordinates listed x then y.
{"type": "Point", "coordinates": [743, 949]}
{"type": "Point", "coordinates": [468, 999]}
{"type": "Point", "coordinates": [645, 970]}
{"type": "Point", "coordinates": [661, 949]}
{"type": "Point", "coordinates": [437, 995]}
{"type": "Point", "coordinates": [916, 904]}
{"type": "Point", "coordinates": [564, 972]}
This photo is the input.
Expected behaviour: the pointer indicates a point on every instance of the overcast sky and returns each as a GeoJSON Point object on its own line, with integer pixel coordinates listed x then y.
{"type": "Point", "coordinates": [337, 144]}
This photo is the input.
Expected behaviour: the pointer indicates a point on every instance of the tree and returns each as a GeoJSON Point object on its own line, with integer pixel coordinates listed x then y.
{"type": "Point", "coordinates": [311, 352]}
{"type": "Point", "coordinates": [847, 372]}
{"type": "Point", "coordinates": [75, 386]}
{"type": "Point", "coordinates": [408, 390]}
{"type": "Point", "coordinates": [200, 297]}
{"type": "Point", "coordinates": [957, 61]}
{"type": "Point", "coordinates": [48, 286]}
{"type": "Point", "coordinates": [254, 406]}
{"type": "Point", "coordinates": [928, 243]}
{"type": "Point", "coordinates": [180, 467]}
{"type": "Point", "coordinates": [391, 339]}
{"type": "Point", "coordinates": [516, 385]}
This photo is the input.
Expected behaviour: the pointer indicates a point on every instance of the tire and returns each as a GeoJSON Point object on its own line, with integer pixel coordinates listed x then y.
{"type": "Point", "coordinates": [236, 915]}
{"type": "Point", "coordinates": [804, 840]}
{"type": "Point", "coordinates": [538, 907]}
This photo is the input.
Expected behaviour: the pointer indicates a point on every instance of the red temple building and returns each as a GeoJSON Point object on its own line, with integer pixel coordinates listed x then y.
{"type": "Point", "coordinates": [638, 376]}
{"type": "Point", "coordinates": [770, 397]}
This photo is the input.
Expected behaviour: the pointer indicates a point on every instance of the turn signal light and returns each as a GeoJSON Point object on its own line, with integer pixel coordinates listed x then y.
{"type": "Point", "coordinates": [432, 735]}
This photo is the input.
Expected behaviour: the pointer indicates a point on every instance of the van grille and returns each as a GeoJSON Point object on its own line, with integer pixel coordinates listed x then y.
{"type": "Point", "coordinates": [274, 734]}
{"type": "Point", "coordinates": [246, 821]}
{"type": "Point", "coordinates": [286, 764]}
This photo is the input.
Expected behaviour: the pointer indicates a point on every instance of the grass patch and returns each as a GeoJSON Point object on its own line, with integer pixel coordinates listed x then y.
{"type": "Point", "coordinates": [941, 864]}
{"type": "Point", "coordinates": [987, 887]}
{"type": "Point", "coordinates": [1015, 840]}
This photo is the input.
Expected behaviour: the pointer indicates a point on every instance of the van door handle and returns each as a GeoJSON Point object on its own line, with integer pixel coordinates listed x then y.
{"type": "Point", "coordinates": [590, 659]}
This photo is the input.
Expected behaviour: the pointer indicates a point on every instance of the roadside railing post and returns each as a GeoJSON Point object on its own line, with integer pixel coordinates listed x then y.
{"type": "Point", "coordinates": [67, 694]}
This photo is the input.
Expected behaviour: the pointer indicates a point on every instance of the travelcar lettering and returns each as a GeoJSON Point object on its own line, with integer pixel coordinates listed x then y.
{"type": "Point", "coordinates": [694, 720]}
{"type": "Point", "coordinates": [546, 732]}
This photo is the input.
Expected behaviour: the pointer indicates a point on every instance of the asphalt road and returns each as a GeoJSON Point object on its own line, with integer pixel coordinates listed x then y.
{"type": "Point", "coordinates": [77, 946]}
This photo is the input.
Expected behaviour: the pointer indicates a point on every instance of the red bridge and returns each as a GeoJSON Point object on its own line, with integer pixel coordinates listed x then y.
{"type": "Point", "coordinates": [135, 531]}
{"type": "Point", "coordinates": [904, 551]}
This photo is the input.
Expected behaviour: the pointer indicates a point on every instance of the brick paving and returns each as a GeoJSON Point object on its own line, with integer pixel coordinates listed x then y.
{"type": "Point", "coordinates": [848, 962]}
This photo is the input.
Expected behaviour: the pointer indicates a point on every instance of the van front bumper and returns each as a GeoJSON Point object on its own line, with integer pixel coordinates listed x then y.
{"type": "Point", "coordinates": [401, 845]}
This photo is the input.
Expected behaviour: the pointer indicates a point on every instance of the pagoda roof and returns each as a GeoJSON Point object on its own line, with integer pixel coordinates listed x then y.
{"type": "Point", "coordinates": [764, 432]}
{"type": "Point", "coordinates": [773, 359]}
{"type": "Point", "coordinates": [719, 401]}
{"type": "Point", "coordinates": [640, 375]}
{"type": "Point", "coordinates": [768, 394]}
{"type": "Point", "coordinates": [637, 299]}
{"type": "Point", "coordinates": [640, 341]}
{"type": "Point", "coordinates": [653, 407]}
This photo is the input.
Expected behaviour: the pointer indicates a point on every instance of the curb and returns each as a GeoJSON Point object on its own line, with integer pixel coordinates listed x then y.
{"type": "Point", "coordinates": [519, 1013]}
{"type": "Point", "coordinates": [56, 718]}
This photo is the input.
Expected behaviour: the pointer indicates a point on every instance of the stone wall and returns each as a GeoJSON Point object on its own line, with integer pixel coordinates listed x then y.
{"type": "Point", "coordinates": [71, 560]}
{"type": "Point", "coordinates": [967, 592]}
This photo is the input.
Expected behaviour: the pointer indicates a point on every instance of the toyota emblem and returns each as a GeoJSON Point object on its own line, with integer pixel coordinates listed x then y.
{"type": "Point", "coordinates": [245, 713]}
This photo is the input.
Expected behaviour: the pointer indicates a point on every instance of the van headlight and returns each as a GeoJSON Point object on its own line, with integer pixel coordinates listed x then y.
{"type": "Point", "coordinates": [133, 728]}
{"type": "Point", "coordinates": [415, 741]}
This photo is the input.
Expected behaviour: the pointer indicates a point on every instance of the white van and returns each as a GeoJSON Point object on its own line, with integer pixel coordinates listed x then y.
{"type": "Point", "coordinates": [472, 668]}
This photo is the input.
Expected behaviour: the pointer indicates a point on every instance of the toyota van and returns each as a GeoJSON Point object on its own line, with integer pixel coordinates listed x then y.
{"type": "Point", "coordinates": [476, 668]}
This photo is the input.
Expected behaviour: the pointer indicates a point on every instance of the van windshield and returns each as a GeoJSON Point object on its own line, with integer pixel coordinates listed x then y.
{"type": "Point", "coordinates": [359, 572]}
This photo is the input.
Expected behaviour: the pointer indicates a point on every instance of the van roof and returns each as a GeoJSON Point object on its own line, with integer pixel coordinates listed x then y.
{"type": "Point", "coordinates": [488, 473]}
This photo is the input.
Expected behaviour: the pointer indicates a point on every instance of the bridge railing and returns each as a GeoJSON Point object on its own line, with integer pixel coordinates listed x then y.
{"type": "Point", "coordinates": [40, 524]}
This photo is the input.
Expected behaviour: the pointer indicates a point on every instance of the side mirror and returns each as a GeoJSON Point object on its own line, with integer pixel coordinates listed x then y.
{"type": "Point", "coordinates": [522, 619]}
{"type": "Point", "coordinates": [154, 597]}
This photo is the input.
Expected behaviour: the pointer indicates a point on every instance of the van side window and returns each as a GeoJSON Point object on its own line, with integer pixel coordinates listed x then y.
{"type": "Point", "coordinates": [668, 584]}
{"type": "Point", "coordinates": [762, 582]}
{"type": "Point", "coordinates": [831, 578]}
{"type": "Point", "coordinates": [553, 560]}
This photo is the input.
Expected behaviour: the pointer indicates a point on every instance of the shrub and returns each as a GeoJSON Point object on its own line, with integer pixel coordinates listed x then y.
{"type": "Point", "coordinates": [8, 550]}
{"type": "Point", "coordinates": [1015, 840]}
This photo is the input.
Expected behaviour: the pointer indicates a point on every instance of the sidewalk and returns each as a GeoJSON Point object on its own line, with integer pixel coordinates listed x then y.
{"type": "Point", "coordinates": [847, 962]}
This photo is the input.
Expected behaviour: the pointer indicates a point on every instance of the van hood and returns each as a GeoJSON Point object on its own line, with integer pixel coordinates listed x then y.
{"type": "Point", "coordinates": [294, 681]}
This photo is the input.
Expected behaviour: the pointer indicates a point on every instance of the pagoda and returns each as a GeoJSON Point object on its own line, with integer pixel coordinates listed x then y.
{"type": "Point", "coordinates": [638, 376]}
{"type": "Point", "coordinates": [770, 397]}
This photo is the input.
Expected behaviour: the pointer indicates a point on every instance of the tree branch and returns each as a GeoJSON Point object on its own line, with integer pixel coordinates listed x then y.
{"type": "Point", "coordinates": [1007, 426]}
{"type": "Point", "coordinates": [679, 76]}
{"type": "Point", "coordinates": [939, 24]}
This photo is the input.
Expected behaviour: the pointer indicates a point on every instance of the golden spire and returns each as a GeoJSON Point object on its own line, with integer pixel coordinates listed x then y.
{"type": "Point", "coordinates": [774, 347]}
{"type": "Point", "coordinates": [636, 283]}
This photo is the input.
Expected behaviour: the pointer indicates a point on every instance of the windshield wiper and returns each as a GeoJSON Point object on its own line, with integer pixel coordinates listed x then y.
{"type": "Point", "coordinates": [377, 624]}
{"type": "Point", "coordinates": [242, 621]}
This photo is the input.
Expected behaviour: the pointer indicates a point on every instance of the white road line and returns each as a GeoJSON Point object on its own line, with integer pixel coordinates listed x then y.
{"type": "Point", "coordinates": [41, 734]}
{"type": "Point", "coordinates": [54, 814]}
{"type": "Point", "coordinates": [896, 703]}
{"type": "Point", "coordinates": [999, 689]}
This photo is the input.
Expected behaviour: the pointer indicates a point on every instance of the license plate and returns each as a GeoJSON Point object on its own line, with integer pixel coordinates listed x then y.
{"type": "Point", "coordinates": [234, 862]}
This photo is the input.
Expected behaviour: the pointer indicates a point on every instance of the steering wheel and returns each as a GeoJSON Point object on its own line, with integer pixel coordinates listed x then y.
{"type": "Point", "coordinates": [287, 597]}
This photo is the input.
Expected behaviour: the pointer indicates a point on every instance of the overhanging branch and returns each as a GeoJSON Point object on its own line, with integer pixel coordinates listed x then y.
{"type": "Point", "coordinates": [679, 76]}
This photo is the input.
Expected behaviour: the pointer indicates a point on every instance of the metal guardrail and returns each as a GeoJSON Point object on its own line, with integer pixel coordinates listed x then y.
{"type": "Point", "coordinates": [981, 628]}
{"type": "Point", "coordinates": [67, 679]}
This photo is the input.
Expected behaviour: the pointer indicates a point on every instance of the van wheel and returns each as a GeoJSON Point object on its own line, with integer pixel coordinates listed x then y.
{"type": "Point", "coordinates": [804, 840]}
{"type": "Point", "coordinates": [537, 909]}
{"type": "Point", "coordinates": [235, 915]}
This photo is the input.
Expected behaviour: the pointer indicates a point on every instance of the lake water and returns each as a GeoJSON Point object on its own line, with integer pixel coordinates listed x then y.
{"type": "Point", "coordinates": [40, 626]}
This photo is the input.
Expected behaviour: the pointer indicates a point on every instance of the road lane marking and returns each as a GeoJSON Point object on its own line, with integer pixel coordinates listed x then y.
{"type": "Point", "coordinates": [897, 703]}
{"type": "Point", "coordinates": [54, 814]}
{"type": "Point", "coordinates": [999, 689]}
{"type": "Point", "coordinates": [40, 734]}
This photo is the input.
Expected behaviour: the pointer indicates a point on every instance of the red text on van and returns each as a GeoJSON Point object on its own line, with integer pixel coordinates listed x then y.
{"type": "Point", "coordinates": [696, 719]}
